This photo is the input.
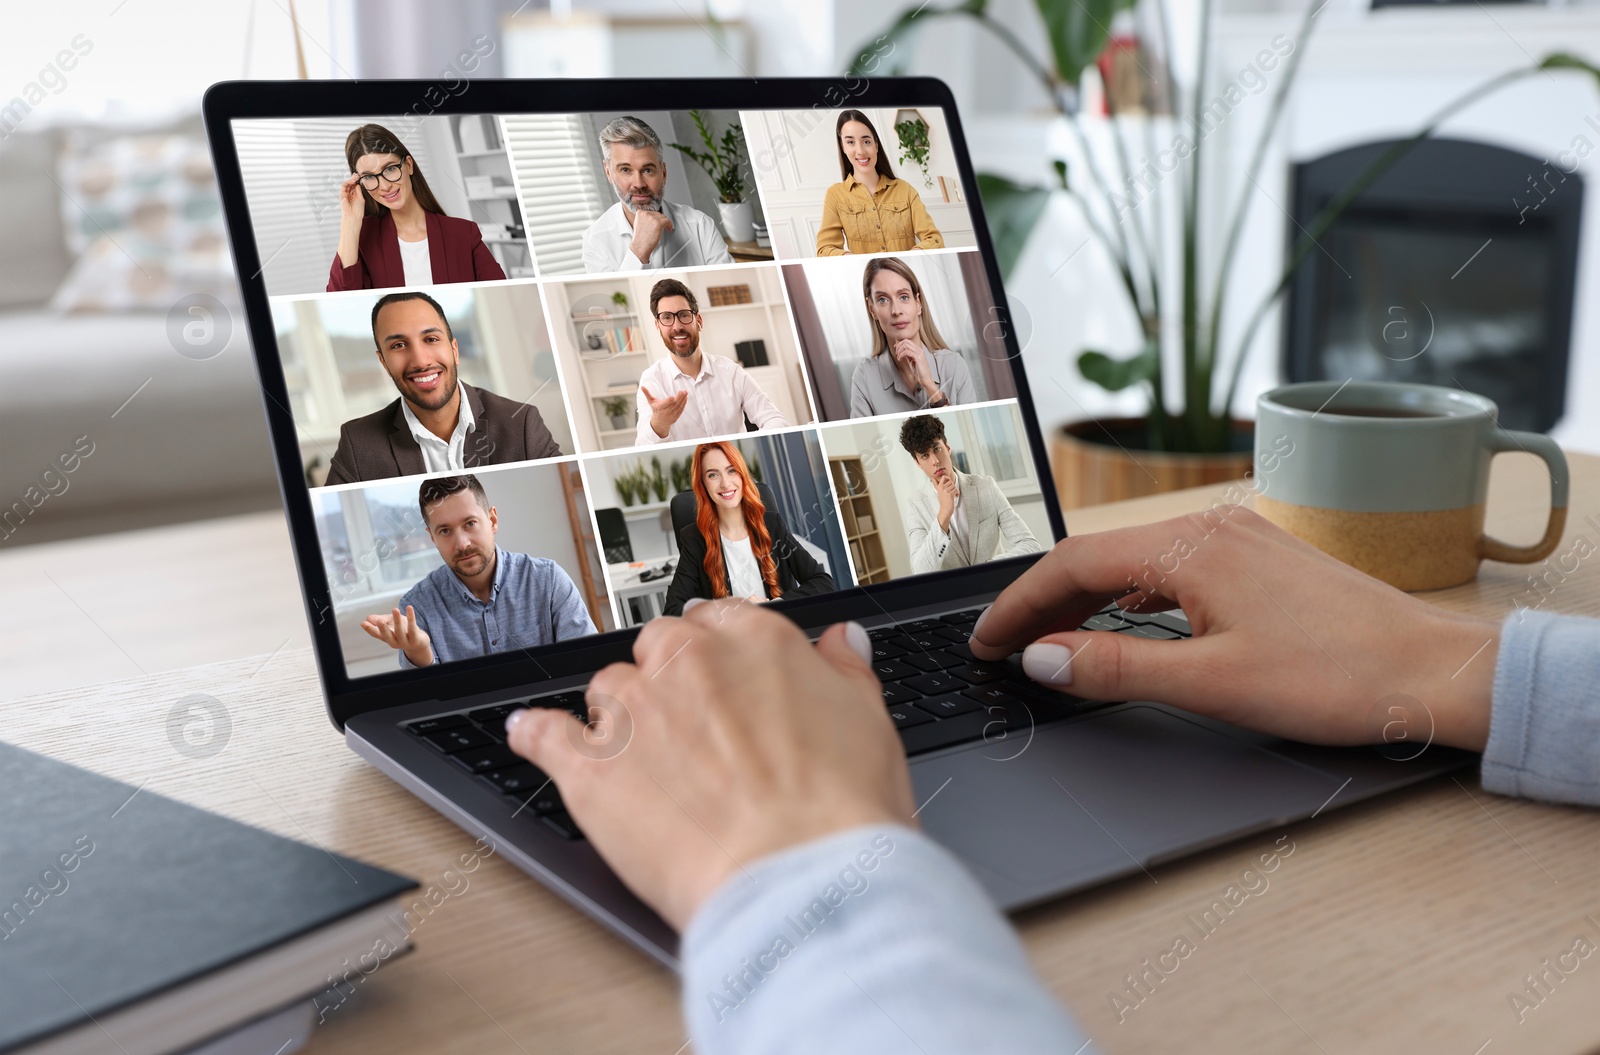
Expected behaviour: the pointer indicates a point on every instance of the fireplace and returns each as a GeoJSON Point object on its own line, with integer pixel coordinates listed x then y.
{"type": "Point", "coordinates": [1455, 268]}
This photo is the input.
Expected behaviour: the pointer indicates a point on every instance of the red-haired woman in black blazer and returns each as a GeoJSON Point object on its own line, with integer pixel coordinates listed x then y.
{"type": "Point", "coordinates": [392, 231]}
{"type": "Point", "coordinates": [736, 545]}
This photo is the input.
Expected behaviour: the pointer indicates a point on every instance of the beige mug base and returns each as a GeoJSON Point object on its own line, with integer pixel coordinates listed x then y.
{"type": "Point", "coordinates": [1412, 551]}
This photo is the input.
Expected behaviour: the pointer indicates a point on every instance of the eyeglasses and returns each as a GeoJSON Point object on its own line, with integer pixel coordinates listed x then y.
{"type": "Point", "coordinates": [391, 173]}
{"type": "Point", "coordinates": [665, 318]}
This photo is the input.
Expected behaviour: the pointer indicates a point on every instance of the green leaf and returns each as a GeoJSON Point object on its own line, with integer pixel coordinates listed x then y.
{"type": "Point", "coordinates": [1012, 211]}
{"type": "Point", "coordinates": [1561, 60]}
{"type": "Point", "coordinates": [1078, 31]}
{"type": "Point", "coordinates": [1114, 375]}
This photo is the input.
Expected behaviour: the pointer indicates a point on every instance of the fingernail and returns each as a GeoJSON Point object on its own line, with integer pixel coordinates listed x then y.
{"type": "Point", "coordinates": [855, 635]}
{"type": "Point", "coordinates": [979, 624]}
{"type": "Point", "coordinates": [691, 602]}
{"type": "Point", "coordinates": [1048, 664]}
{"type": "Point", "coordinates": [513, 718]}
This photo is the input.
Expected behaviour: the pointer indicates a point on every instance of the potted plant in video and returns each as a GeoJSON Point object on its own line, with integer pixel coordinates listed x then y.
{"type": "Point", "coordinates": [1179, 310]}
{"type": "Point", "coordinates": [623, 482]}
{"type": "Point", "coordinates": [912, 131]}
{"type": "Point", "coordinates": [657, 479]}
{"type": "Point", "coordinates": [724, 161]}
{"type": "Point", "coordinates": [616, 408]}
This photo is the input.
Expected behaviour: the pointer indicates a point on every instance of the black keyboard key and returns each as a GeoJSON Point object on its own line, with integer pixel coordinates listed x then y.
{"type": "Point", "coordinates": [892, 670]}
{"type": "Point", "coordinates": [921, 626]}
{"type": "Point", "coordinates": [571, 701]}
{"type": "Point", "coordinates": [1171, 622]}
{"type": "Point", "coordinates": [957, 634]}
{"type": "Point", "coordinates": [884, 633]}
{"type": "Point", "coordinates": [882, 650]}
{"type": "Point", "coordinates": [979, 672]}
{"type": "Point", "coordinates": [1042, 705]}
{"type": "Point", "coordinates": [966, 618]}
{"type": "Point", "coordinates": [485, 759]}
{"type": "Point", "coordinates": [1151, 630]}
{"type": "Point", "coordinates": [1102, 621]}
{"type": "Point", "coordinates": [948, 705]}
{"type": "Point", "coordinates": [564, 825]}
{"type": "Point", "coordinates": [494, 717]}
{"type": "Point", "coordinates": [433, 725]}
{"type": "Point", "coordinates": [905, 716]}
{"type": "Point", "coordinates": [925, 642]}
{"type": "Point", "coordinates": [951, 731]}
{"type": "Point", "coordinates": [935, 683]}
{"type": "Point", "coordinates": [458, 738]}
{"type": "Point", "coordinates": [930, 661]}
{"type": "Point", "coordinates": [543, 799]}
{"type": "Point", "coordinates": [894, 694]}
{"type": "Point", "coordinates": [518, 781]}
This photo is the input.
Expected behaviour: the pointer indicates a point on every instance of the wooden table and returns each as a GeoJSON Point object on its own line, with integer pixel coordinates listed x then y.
{"type": "Point", "coordinates": [1399, 925]}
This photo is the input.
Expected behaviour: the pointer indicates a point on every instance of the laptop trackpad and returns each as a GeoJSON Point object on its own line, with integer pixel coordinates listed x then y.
{"type": "Point", "coordinates": [1093, 797]}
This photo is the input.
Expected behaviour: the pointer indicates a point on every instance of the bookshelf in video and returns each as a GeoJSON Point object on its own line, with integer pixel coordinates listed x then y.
{"type": "Point", "coordinates": [557, 374]}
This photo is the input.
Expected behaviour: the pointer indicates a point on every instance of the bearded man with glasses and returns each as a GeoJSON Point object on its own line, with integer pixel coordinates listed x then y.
{"type": "Point", "coordinates": [692, 395]}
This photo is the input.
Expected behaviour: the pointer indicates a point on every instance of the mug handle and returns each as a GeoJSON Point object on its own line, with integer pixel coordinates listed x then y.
{"type": "Point", "coordinates": [1502, 441]}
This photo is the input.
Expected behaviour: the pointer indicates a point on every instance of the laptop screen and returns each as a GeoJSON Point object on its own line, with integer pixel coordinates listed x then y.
{"type": "Point", "coordinates": [553, 375]}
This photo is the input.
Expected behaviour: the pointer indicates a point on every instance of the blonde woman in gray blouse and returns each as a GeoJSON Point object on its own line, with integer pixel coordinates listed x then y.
{"type": "Point", "coordinates": [911, 368]}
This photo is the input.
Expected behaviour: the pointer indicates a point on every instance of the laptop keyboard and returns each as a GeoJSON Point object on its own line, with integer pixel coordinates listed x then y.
{"type": "Point", "coordinates": [938, 694]}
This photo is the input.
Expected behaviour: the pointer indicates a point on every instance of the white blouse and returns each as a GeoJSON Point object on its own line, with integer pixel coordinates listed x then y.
{"type": "Point", "coordinates": [417, 263]}
{"type": "Point", "coordinates": [744, 574]}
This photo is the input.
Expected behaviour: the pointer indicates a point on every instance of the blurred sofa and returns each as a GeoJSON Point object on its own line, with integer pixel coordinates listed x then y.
{"type": "Point", "coordinates": [77, 455]}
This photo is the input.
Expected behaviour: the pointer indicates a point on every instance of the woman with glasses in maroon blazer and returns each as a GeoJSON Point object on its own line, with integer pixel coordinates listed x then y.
{"type": "Point", "coordinates": [392, 231]}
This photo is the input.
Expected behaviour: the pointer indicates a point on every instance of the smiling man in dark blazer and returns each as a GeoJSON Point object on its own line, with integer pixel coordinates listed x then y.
{"type": "Point", "coordinates": [439, 423]}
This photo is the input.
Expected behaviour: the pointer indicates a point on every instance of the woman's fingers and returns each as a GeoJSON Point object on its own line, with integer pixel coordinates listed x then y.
{"type": "Point", "coordinates": [1105, 665]}
{"type": "Point", "coordinates": [1072, 582]}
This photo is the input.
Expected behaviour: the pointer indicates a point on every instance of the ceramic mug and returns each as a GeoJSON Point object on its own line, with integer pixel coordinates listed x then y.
{"type": "Point", "coordinates": [1391, 478]}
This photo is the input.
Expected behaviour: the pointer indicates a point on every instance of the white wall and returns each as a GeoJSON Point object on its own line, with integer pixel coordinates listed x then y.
{"type": "Point", "coordinates": [512, 318]}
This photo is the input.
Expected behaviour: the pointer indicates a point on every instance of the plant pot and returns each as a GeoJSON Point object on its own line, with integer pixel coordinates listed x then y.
{"type": "Point", "coordinates": [619, 421]}
{"type": "Point", "coordinates": [738, 220]}
{"type": "Point", "coordinates": [1103, 461]}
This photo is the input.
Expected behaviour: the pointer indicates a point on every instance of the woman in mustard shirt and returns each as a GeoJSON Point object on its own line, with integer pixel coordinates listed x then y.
{"type": "Point", "coordinates": [869, 210]}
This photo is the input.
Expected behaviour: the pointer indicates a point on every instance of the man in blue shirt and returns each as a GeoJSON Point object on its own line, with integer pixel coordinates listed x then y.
{"type": "Point", "coordinates": [483, 599]}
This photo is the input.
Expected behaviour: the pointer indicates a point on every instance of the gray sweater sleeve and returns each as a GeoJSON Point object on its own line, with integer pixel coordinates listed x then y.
{"type": "Point", "coordinates": [1544, 729]}
{"type": "Point", "coordinates": [872, 940]}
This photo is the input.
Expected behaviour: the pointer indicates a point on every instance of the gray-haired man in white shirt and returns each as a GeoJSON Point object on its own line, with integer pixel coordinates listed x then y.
{"type": "Point", "coordinates": [691, 394]}
{"type": "Point", "coordinates": [644, 230]}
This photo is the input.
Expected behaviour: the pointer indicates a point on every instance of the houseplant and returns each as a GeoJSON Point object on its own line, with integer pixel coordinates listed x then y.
{"type": "Point", "coordinates": [616, 408]}
{"type": "Point", "coordinates": [914, 147]}
{"type": "Point", "coordinates": [725, 162]}
{"type": "Point", "coordinates": [657, 479]}
{"type": "Point", "coordinates": [1197, 441]}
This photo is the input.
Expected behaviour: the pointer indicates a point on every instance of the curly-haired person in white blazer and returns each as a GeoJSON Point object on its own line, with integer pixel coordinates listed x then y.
{"type": "Point", "coordinates": [965, 519]}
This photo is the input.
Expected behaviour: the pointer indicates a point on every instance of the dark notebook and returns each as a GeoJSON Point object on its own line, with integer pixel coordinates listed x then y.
{"type": "Point", "coordinates": [111, 895]}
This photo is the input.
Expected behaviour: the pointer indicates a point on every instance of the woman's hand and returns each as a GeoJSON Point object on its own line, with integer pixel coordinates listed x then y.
{"type": "Point", "coordinates": [352, 210]}
{"type": "Point", "coordinates": [729, 738]}
{"type": "Point", "coordinates": [913, 360]}
{"type": "Point", "coordinates": [1287, 640]}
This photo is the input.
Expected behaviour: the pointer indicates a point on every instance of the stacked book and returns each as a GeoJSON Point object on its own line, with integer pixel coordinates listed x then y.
{"type": "Point", "coordinates": [132, 923]}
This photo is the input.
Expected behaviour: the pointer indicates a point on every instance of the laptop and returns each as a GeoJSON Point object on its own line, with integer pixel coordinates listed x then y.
{"type": "Point", "coordinates": [456, 354]}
